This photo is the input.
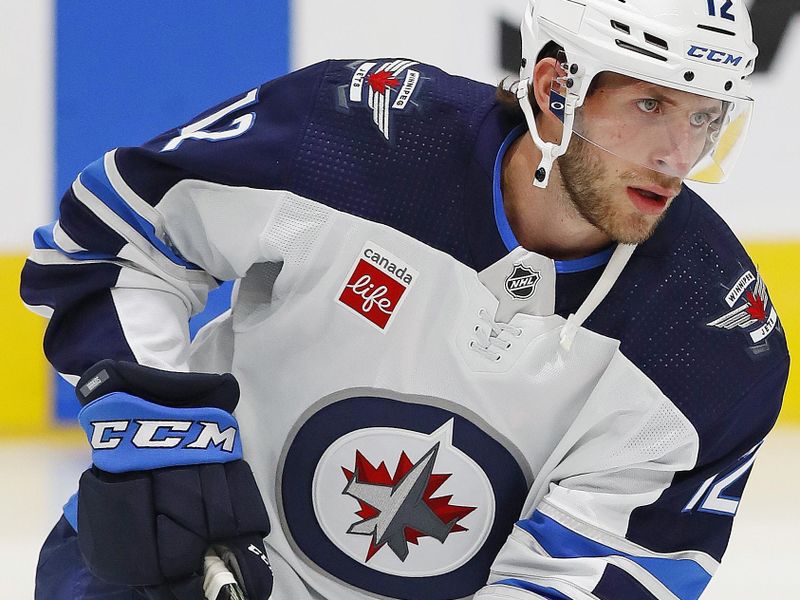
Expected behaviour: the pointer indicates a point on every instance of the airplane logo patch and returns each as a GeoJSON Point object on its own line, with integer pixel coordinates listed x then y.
{"type": "Point", "coordinates": [386, 88]}
{"type": "Point", "coordinates": [752, 312]}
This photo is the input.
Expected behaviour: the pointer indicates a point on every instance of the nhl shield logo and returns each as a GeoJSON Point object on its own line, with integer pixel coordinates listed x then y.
{"type": "Point", "coordinates": [521, 283]}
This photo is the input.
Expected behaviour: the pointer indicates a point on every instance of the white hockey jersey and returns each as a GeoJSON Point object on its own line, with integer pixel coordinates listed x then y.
{"type": "Point", "coordinates": [422, 418]}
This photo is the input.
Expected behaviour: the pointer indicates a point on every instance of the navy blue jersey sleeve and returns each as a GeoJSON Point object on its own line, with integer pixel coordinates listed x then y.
{"type": "Point", "coordinates": [108, 274]}
{"type": "Point", "coordinates": [250, 140]}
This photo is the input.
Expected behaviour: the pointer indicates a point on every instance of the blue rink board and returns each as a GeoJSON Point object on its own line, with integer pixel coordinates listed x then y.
{"type": "Point", "coordinates": [126, 71]}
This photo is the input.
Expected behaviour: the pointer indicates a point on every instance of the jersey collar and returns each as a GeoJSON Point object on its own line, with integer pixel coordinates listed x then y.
{"type": "Point", "coordinates": [504, 228]}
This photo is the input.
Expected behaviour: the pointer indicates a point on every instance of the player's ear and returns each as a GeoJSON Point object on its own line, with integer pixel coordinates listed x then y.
{"type": "Point", "coordinates": [544, 74]}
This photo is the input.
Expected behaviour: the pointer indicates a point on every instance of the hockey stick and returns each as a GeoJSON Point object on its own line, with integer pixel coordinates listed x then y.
{"type": "Point", "coordinates": [218, 582]}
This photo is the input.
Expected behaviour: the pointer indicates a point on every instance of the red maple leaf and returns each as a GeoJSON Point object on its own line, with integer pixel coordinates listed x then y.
{"type": "Point", "coordinates": [381, 80]}
{"type": "Point", "coordinates": [367, 473]}
{"type": "Point", "coordinates": [373, 548]}
{"type": "Point", "coordinates": [756, 309]}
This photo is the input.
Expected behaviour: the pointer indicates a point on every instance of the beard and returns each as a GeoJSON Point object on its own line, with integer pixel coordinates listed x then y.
{"type": "Point", "coordinates": [592, 188]}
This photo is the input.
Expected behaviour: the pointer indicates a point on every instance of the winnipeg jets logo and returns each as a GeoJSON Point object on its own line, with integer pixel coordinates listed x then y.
{"type": "Point", "coordinates": [389, 87]}
{"type": "Point", "coordinates": [751, 312]}
{"type": "Point", "coordinates": [376, 483]}
{"type": "Point", "coordinates": [400, 509]}
{"type": "Point", "coordinates": [521, 283]}
{"type": "Point", "coordinates": [403, 502]}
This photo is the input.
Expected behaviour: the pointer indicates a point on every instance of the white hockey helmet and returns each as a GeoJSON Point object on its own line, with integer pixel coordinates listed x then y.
{"type": "Point", "coordinates": [702, 48]}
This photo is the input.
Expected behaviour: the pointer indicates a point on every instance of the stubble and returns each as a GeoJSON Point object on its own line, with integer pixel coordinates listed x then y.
{"type": "Point", "coordinates": [591, 188]}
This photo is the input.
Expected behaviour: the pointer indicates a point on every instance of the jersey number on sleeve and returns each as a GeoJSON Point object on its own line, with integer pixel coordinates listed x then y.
{"type": "Point", "coordinates": [198, 130]}
{"type": "Point", "coordinates": [709, 497]}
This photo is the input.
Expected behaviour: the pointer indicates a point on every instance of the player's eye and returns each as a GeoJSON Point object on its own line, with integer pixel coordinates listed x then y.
{"type": "Point", "coordinates": [702, 118]}
{"type": "Point", "coordinates": [648, 105]}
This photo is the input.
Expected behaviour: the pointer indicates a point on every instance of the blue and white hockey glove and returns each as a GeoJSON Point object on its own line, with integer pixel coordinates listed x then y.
{"type": "Point", "coordinates": [168, 482]}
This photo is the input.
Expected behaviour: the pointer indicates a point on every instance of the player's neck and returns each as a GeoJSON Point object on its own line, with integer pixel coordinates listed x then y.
{"type": "Point", "coordinates": [544, 221]}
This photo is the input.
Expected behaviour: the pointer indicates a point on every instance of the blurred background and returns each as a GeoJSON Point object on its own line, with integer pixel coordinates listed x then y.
{"type": "Point", "coordinates": [83, 76]}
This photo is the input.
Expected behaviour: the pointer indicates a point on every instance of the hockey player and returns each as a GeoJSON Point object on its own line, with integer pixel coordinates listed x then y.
{"type": "Point", "coordinates": [489, 349]}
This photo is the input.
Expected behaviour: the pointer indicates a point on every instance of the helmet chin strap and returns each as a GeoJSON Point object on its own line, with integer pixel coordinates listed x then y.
{"type": "Point", "coordinates": [550, 151]}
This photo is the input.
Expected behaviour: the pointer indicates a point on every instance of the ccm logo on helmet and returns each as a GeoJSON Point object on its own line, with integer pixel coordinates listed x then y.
{"type": "Point", "coordinates": [107, 435]}
{"type": "Point", "coordinates": [715, 56]}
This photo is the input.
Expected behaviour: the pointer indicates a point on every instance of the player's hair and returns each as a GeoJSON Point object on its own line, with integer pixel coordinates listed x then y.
{"type": "Point", "coordinates": [508, 100]}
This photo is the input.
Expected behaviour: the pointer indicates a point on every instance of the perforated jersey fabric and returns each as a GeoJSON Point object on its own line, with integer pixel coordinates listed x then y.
{"type": "Point", "coordinates": [664, 302]}
{"type": "Point", "coordinates": [294, 229]}
{"type": "Point", "coordinates": [422, 167]}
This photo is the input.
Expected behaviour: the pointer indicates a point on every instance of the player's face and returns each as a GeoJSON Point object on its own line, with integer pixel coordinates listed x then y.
{"type": "Point", "coordinates": [612, 194]}
{"type": "Point", "coordinates": [634, 143]}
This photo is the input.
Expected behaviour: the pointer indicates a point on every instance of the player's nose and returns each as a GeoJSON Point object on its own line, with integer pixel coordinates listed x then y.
{"type": "Point", "coordinates": [675, 153]}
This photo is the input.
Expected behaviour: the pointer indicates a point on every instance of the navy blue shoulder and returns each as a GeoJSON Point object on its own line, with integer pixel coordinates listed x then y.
{"type": "Point", "coordinates": [259, 156]}
{"type": "Point", "coordinates": [391, 141]}
{"type": "Point", "coordinates": [388, 140]}
{"type": "Point", "coordinates": [695, 316]}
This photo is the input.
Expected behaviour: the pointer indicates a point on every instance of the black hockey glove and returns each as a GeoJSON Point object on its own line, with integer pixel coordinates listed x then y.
{"type": "Point", "coordinates": [168, 482]}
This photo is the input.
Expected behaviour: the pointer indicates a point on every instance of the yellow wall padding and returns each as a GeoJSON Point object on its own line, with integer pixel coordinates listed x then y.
{"type": "Point", "coordinates": [25, 405]}
{"type": "Point", "coordinates": [779, 265]}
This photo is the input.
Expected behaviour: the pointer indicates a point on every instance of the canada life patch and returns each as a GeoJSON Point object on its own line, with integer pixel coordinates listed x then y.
{"type": "Point", "coordinates": [751, 312]}
{"type": "Point", "coordinates": [385, 88]}
{"type": "Point", "coordinates": [377, 285]}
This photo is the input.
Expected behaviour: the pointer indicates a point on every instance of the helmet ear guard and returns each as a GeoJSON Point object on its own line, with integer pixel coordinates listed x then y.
{"type": "Point", "coordinates": [562, 106]}
{"type": "Point", "coordinates": [669, 43]}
